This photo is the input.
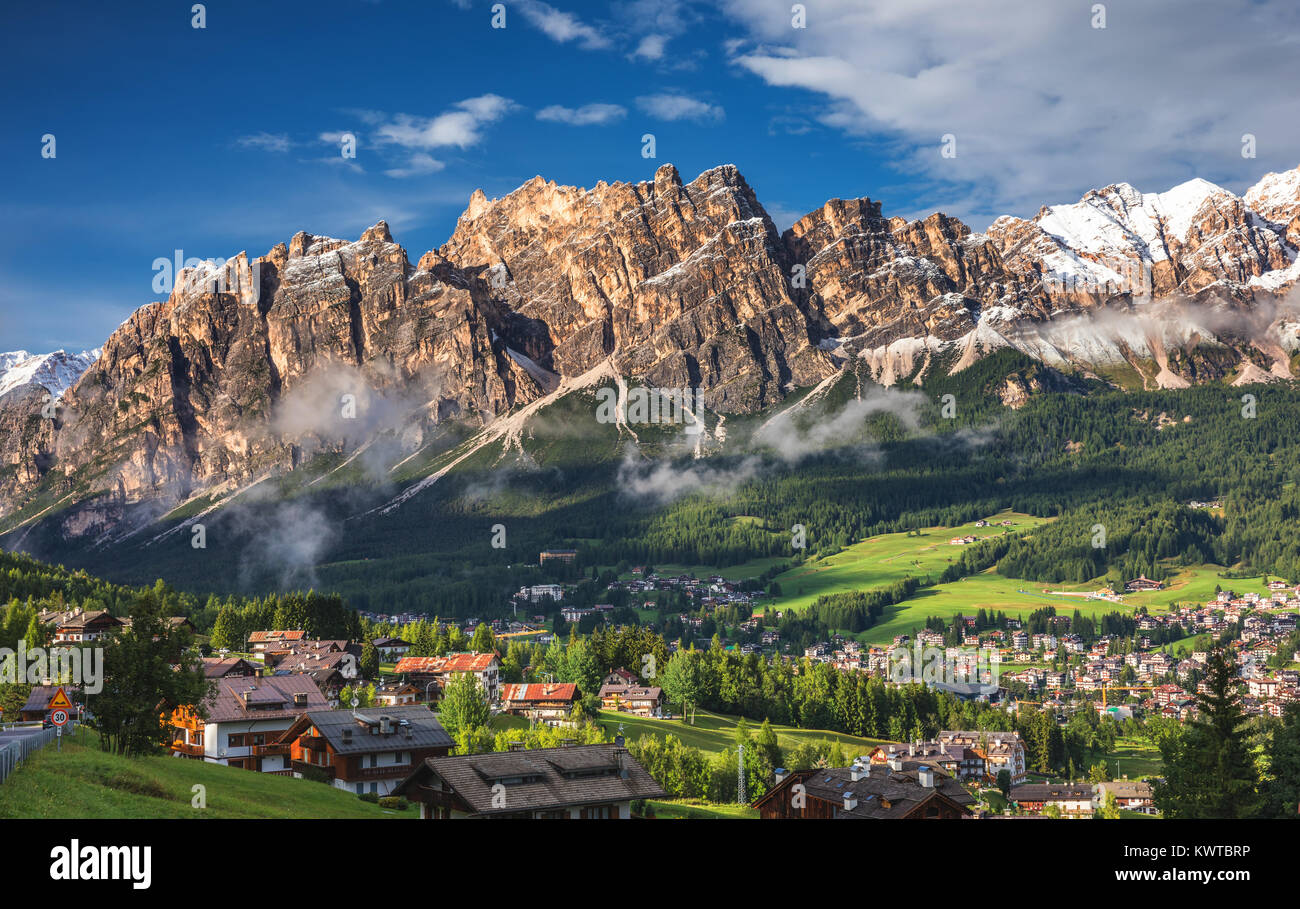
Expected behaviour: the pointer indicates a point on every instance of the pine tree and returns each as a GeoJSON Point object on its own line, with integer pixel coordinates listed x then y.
{"type": "Point", "coordinates": [1209, 770]}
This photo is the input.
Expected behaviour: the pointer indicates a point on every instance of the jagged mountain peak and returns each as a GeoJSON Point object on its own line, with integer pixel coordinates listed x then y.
{"type": "Point", "coordinates": [678, 284]}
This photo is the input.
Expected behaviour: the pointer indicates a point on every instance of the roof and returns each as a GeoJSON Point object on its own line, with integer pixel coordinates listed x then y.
{"type": "Point", "coordinates": [41, 695]}
{"type": "Point", "coordinates": [270, 697]}
{"type": "Point", "coordinates": [877, 784]}
{"type": "Point", "coordinates": [460, 662]}
{"type": "Point", "coordinates": [78, 619]}
{"type": "Point", "coordinates": [469, 662]}
{"type": "Point", "coordinates": [542, 780]}
{"type": "Point", "coordinates": [263, 637]}
{"type": "Point", "coordinates": [1127, 789]}
{"type": "Point", "coordinates": [424, 728]}
{"type": "Point", "coordinates": [1046, 792]}
{"type": "Point", "coordinates": [390, 642]}
{"type": "Point", "coordinates": [215, 667]}
{"type": "Point", "coordinates": [540, 692]}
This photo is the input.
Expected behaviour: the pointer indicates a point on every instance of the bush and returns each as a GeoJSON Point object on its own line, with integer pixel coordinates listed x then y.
{"type": "Point", "coordinates": [316, 775]}
{"type": "Point", "coordinates": [394, 801]}
{"type": "Point", "coordinates": [372, 797]}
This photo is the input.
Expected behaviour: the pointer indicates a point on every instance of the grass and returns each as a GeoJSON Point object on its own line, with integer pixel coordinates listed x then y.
{"type": "Point", "coordinates": [698, 809]}
{"type": "Point", "coordinates": [84, 782]}
{"type": "Point", "coordinates": [716, 732]}
{"type": "Point", "coordinates": [1133, 758]}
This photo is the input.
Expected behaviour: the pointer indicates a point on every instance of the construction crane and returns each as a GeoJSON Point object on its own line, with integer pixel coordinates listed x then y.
{"type": "Point", "coordinates": [1104, 689]}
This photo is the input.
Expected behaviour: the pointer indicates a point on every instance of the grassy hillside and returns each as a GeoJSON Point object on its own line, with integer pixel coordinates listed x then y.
{"type": "Point", "coordinates": [84, 782]}
{"type": "Point", "coordinates": [715, 732]}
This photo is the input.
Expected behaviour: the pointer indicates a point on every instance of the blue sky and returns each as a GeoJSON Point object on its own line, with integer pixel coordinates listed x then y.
{"type": "Point", "coordinates": [225, 138]}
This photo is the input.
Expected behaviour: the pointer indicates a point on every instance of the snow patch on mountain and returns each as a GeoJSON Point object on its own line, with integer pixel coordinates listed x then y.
{"type": "Point", "coordinates": [56, 372]}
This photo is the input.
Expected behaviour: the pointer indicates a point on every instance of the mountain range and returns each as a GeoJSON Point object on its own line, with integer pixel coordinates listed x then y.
{"type": "Point", "coordinates": [254, 367]}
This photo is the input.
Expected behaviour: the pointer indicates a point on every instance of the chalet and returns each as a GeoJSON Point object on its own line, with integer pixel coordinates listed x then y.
{"type": "Point", "coordinates": [37, 706]}
{"type": "Point", "coordinates": [246, 717]}
{"type": "Point", "coordinates": [364, 751]}
{"type": "Point", "coordinates": [958, 761]}
{"type": "Point", "coordinates": [1071, 799]}
{"type": "Point", "coordinates": [433, 673]}
{"type": "Point", "coordinates": [637, 699]}
{"type": "Point", "coordinates": [1000, 750]}
{"type": "Point", "coordinates": [391, 648]}
{"type": "Point", "coordinates": [866, 791]}
{"type": "Point", "coordinates": [1141, 583]}
{"type": "Point", "coordinates": [578, 782]}
{"type": "Point", "coordinates": [261, 641]}
{"type": "Point", "coordinates": [1131, 795]}
{"type": "Point", "coordinates": [539, 701]}
{"type": "Point", "coordinates": [397, 694]}
{"type": "Point", "coordinates": [230, 668]}
{"type": "Point", "coordinates": [620, 677]}
{"type": "Point", "coordinates": [77, 626]}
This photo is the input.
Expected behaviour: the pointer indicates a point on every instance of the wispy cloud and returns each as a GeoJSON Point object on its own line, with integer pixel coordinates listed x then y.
{"type": "Point", "coordinates": [666, 106]}
{"type": "Point", "coordinates": [461, 127]}
{"type": "Point", "coordinates": [587, 115]}
{"type": "Point", "coordinates": [272, 142]}
{"type": "Point", "coordinates": [561, 26]}
{"type": "Point", "coordinates": [418, 165]}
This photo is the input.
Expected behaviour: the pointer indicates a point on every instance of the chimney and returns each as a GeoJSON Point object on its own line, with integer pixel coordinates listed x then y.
{"type": "Point", "coordinates": [943, 747]}
{"type": "Point", "coordinates": [857, 772]}
{"type": "Point", "coordinates": [779, 774]}
{"type": "Point", "coordinates": [850, 802]}
{"type": "Point", "coordinates": [911, 749]}
{"type": "Point", "coordinates": [895, 762]}
{"type": "Point", "coordinates": [618, 740]}
{"type": "Point", "coordinates": [925, 776]}
{"type": "Point", "coordinates": [516, 746]}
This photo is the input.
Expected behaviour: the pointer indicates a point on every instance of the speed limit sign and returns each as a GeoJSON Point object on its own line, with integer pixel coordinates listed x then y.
{"type": "Point", "coordinates": [59, 716]}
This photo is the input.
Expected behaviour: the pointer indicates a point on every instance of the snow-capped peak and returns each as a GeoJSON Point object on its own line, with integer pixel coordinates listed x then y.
{"type": "Point", "coordinates": [56, 372]}
{"type": "Point", "coordinates": [1277, 196]}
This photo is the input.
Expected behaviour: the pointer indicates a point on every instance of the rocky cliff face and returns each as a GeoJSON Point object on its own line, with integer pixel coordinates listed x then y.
{"type": "Point", "coordinates": [253, 365]}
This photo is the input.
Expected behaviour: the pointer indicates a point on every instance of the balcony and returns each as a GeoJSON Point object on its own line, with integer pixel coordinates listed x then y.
{"type": "Point", "coordinates": [314, 742]}
{"type": "Point", "coordinates": [270, 750]}
{"type": "Point", "coordinates": [187, 749]}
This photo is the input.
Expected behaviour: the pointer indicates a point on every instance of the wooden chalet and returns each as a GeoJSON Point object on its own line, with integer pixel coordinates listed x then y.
{"type": "Point", "coordinates": [636, 699]}
{"type": "Point", "coordinates": [364, 750]}
{"type": "Point", "coordinates": [245, 719]}
{"type": "Point", "coordinates": [539, 700]}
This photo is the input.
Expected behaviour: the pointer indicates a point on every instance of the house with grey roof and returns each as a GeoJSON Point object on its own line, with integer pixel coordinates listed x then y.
{"type": "Point", "coordinates": [364, 751]}
{"type": "Point", "coordinates": [573, 782]}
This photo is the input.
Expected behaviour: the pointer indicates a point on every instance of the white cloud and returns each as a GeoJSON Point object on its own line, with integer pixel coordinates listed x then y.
{"type": "Point", "coordinates": [418, 165]}
{"type": "Point", "coordinates": [272, 142]}
{"type": "Point", "coordinates": [651, 47]}
{"type": "Point", "coordinates": [561, 26]}
{"type": "Point", "coordinates": [587, 115]}
{"type": "Point", "coordinates": [1043, 106]}
{"type": "Point", "coordinates": [462, 126]}
{"type": "Point", "coordinates": [678, 107]}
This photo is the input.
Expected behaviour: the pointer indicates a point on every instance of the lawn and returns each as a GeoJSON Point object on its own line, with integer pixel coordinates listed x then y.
{"type": "Point", "coordinates": [84, 782]}
{"type": "Point", "coordinates": [698, 809]}
{"type": "Point", "coordinates": [1133, 758]}
{"type": "Point", "coordinates": [715, 732]}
